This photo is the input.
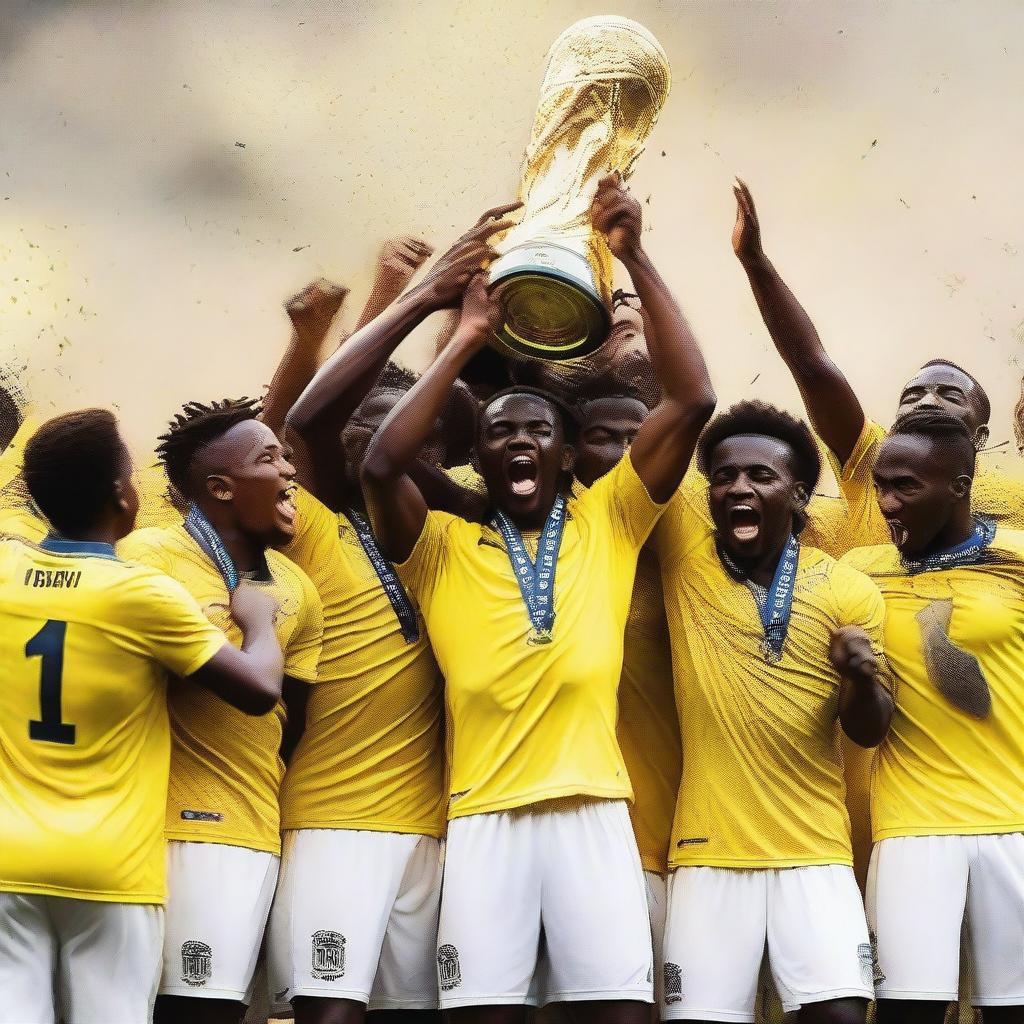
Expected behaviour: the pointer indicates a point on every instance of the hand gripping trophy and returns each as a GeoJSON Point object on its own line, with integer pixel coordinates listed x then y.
{"type": "Point", "coordinates": [607, 79]}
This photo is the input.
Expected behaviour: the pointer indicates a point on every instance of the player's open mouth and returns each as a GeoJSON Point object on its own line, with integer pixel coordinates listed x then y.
{"type": "Point", "coordinates": [899, 533]}
{"type": "Point", "coordinates": [522, 475]}
{"type": "Point", "coordinates": [286, 503]}
{"type": "Point", "coordinates": [745, 523]}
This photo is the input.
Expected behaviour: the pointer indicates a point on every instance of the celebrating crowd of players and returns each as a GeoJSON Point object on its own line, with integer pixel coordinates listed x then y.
{"type": "Point", "coordinates": [514, 684]}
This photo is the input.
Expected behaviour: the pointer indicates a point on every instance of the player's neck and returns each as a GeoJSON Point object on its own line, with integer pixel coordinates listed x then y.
{"type": "Point", "coordinates": [760, 568]}
{"type": "Point", "coordinates": [957, 529]}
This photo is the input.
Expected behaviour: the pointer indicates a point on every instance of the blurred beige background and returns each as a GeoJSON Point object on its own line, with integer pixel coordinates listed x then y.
{"type": "Point", "coordinates": [171, 171]}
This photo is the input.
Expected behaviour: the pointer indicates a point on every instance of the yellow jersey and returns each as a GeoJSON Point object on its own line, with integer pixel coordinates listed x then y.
{"type": "Point", "coordinates": [941, 771]}
{"type": "Point", "coordinates": [226, 767]}
{"type": "Point", "coordinates": [372, 755]}
{"type": "Point", "coordinates": [85, 641]}
{"type": "Point", "coordinates": [157, 506]}
{"type": "Point", "coordinates": [533, 723]}
{"type": "Point", "coordinates": [762, 783]}
{"type": "Point", "coordinates": [18, 516]}
{"type": "Point", "coordinates": [994, 493]}
{"type": "Point", "coordinates": [648, 728]}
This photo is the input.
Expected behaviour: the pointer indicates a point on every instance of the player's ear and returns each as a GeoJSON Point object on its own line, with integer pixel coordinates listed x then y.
{"type": "Point", "coordinates": [961, 487]}
{"type": "Point", "coordinates": [980, 438]}
{"type": "Point", "coordinates": [568, 458]}
{"type": "Point", "coordinates": [800, 496]}
{"type": "Point", "coordinates": [220, 488]}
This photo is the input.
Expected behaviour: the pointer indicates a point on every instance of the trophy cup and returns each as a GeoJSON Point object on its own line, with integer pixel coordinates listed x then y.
{"type": "Point", "coordinates": [607, 79]}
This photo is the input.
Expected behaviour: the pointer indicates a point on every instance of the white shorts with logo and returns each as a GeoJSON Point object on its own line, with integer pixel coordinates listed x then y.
{"type": "Point", "coordinates": [720, 920]}
{"type": "Point", "coordinates": [557, 892]}
{"type": "Point", "coordinates": [918, 889]}
{"type": "Point", "coordinates": [355, 917]}
{"type": "Point", "coordinates": [83, 961]}
{"type": "Point", "coordinates": [218, 902]}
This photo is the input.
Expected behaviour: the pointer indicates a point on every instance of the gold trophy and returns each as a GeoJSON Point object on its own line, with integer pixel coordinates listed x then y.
{"type": "Point", "coordinates": [607, 79]}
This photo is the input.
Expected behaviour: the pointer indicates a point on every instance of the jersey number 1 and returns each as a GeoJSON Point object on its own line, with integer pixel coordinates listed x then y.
{"type": "Point", "coordinates": [48, 644]}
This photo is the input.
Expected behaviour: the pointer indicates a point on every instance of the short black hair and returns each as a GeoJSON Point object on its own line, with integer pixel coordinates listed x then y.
{"type": "Point", "coordinates": [986, 405]}
{"type": "Point", "coordinates": [195, 427]}
{"type": "Point", "coordinates": [940, 427]}
{"type": "Point", "coordinates": [71, 465]}
{"type": "Point", "coordinates": [10, 418]}
{"type": "Point", "coordinates": [395, 377]}
{"type": "Point", "coordinates": [570, 423]}
{"type": "Point", "coordinates": [764, 420]}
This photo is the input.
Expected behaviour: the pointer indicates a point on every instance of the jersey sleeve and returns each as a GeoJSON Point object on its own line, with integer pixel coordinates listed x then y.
{"type": "Point", "coordinates": [170, 625]}
{"type": "Point", "coordinates": [144, 548]}
{"type": "Point", "coordinates": [864, 524]}
{"type": "Point", "coordinates": [420, 571]}
{"type": "Point", "coordinates": [685, 521]}
{"type": "Point", "coordinates": [631, 510]}
{"type": "Point", "coordinates": [302, 655]}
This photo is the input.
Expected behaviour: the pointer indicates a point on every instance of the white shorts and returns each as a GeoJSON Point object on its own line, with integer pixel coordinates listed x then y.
{"type": "Point", "coordinates": [355, 917]}
{"type": "Point", "coordinates": [918, 890]}
{"type": "Point", "coordinates": [657, 908]}
{"type": "Point", "coordinates": [218, 901]}
{"type": "Point", "coordinates": [719, 920]}
{"type": "Point", "coordinates": [571, 872]}
{"type": "Point", "coordinates": [85, 961]}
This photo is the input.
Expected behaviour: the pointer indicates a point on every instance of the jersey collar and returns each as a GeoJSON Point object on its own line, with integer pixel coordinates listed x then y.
{"type": "Point", "coordinates": [59, 546]}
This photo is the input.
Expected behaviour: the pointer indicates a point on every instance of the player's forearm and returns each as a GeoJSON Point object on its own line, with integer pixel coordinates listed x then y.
{"type": "Point", "coordinates": [297, 368]}
{"type": "Point", "coordinates": [831, 403]}
{"type": "Point", "coordinates": [675, 355]}
{"type": "Point", "coordinates": [397, 443]}
{"type": "Point", "coordinates": [865, 711]}
{"type": "Point", "coordinates": [346, 377]}
{"type": "Point", "coordinates": [385, 289]}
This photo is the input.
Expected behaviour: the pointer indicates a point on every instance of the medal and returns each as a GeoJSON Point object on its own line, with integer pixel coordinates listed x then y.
{"type": "Point", "coordinates": [201, 530]}
{"type": "Point", "coordinates": [968, 552]}
{"type": "Point", "coordinates": [536, 579]}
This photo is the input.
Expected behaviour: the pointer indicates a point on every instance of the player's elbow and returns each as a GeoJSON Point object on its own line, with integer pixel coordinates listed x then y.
{"type": "Point", "coordinates": [259, 695]}
{"type": "Point", "coordinates": [378, 469]}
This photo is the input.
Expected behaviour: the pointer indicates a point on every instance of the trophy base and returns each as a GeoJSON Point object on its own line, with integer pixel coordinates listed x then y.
{"type": "Point", "coordinates": [551, 308]}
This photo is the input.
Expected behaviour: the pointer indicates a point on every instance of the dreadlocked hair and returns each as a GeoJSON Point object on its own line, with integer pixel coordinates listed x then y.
{"type": "Point", "coordinates": [195, 427]}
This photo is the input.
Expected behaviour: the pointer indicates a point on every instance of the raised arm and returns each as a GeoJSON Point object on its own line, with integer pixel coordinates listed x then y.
{"type": "Point", "coordinates": [665, 442]}
{"type": "Point", "coordinates": [396, 503]}
{"type": "Point", "coordinates": [397, 264]}
{"type": "Point", "coordinates": [833, 408]}
{"type": "Point", "coordinates": [248, 679]}
{"type": "Point", "coordinates": [311, 312]}
{"type": "Point", "coordinates": [343, 381]}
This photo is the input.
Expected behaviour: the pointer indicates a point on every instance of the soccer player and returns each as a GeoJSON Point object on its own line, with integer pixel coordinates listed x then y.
{"type": "Point", "coordinates": [948, 789]}
{"type": "Point", "coordinates": [223, 821]}
{"type": "Point", "coordinates": [354, 924]}
{"type": "Point", "coordinates": [835, 412]}
{"type": "Point", "coordinates": [526, 616]}
{"type": "Point", "coordinates": [85, 643]}
{"type": "Point", "coordinates": [648, 727]}
{"type": "Point", "coordinates": [772, 643]}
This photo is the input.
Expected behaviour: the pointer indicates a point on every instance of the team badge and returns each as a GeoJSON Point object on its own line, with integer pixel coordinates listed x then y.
{"type": "Point", "coordinates": [867, 964]}
{"type": "Point", "coordinates": [196, 963]}
{"type": "Point", "coordinates": [673, 983]}
{"type": "Point", "coordinates": [328, 955]}
{"type": "Point", "coordinates": [449, 974]}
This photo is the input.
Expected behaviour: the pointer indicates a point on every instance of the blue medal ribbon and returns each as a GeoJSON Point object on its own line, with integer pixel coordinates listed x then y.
{"type": "Point", "coordinates": [774, 605]}
{"type": "Point", "coordinates": [201, 530]}
{"type": "Point", "coordinates": [404, 611]}
{"type": "Point", "coordinates": [967, 552]}
{"type": "Point", "coordinates": [536, 580]}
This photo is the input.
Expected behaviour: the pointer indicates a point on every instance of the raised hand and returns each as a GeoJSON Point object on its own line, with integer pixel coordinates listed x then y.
{"type": "Point", "coordinates": [401, 257]}
{"type": "Point", "coordinates": [617, 215]}
{"type": "Point", "coordinates": [447, 279]}
{"type": "Point", "coordinates": [312, 310]}
{"type": "Point", "coordinates": [480, 315]}
{"type": "Point", "coordinates": [746, 233]}
{"type": "Point", "coordinates": [252, 607]}
{"type": "Point", "coordinates": [851, 654]}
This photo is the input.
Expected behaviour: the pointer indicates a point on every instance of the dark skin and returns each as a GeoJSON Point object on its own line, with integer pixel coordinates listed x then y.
{"type": "Point", "coordinates": [831, 403]}
{"type": "Point", "coordinates": [608, 428]}
{"type": "Point", "coordinates": [523, 454]}
{"type": "Point", "coordinates": [753, 495]}
{"type": "Point", "coordinates": [242, 481]}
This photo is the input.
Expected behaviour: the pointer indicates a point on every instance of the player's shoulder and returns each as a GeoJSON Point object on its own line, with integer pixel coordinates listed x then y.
{"type": "Point", "coordinates": [288, 573]}
{"type": "Point", "coordinates": [1009, 544]}
{"type": "Point", "coordinates": [874, 560]}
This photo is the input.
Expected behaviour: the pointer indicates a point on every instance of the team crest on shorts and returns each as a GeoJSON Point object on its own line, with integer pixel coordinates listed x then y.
{"type": "Point", "coordinates": [328, 955]}
{"type": "Point", "coordinates": [865, 954]}
{"type": "Point", "coordinates": [449, 974]}
{"type": "Point", "coordinates": [196, 963]}
{"type": "Point", "coordinates": [673, 983]}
